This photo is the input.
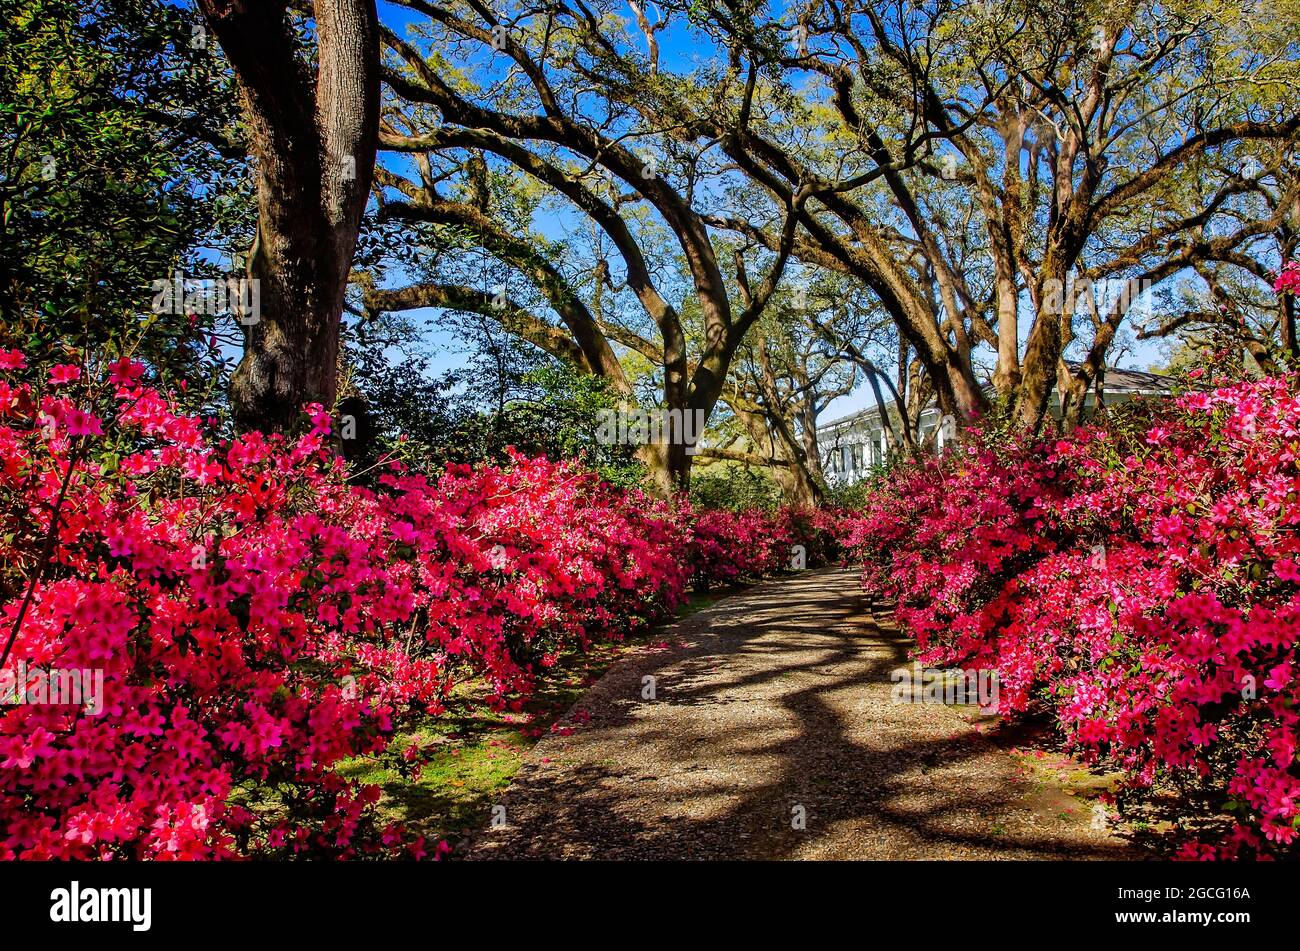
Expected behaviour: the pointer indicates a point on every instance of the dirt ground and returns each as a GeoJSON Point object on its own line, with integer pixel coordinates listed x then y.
{"type": "Point", "coordinates": [768, 730]}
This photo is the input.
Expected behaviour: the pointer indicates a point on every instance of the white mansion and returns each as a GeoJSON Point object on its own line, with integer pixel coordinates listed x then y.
{"type": "Point", "coordinates": [853, 445]}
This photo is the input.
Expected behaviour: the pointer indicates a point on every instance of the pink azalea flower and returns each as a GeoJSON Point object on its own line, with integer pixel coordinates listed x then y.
{"type": "Point", "coordinates": [124, 371]}
{"type": "Point", "coordinates": [1288, 281]}
{"type": "Point", "coordinates": [1287, 569]}
{"type": "Point", "coordinates": [79, 422]}
{"type": "Point", "coordinates": [1278, 677]}
{"type": "Point", "coordinates": [64, 373]}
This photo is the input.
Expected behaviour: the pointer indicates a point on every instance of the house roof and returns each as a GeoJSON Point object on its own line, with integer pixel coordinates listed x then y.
{"type": "Point", "coordinates": [871, 412]}
{"type": "Point", "coordinates": [1129, 381]}
{"type": "Point", "coordinates": [1117, 381]}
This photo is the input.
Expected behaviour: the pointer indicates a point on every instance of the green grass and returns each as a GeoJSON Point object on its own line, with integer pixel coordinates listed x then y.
{"type": "Point", "coordinates": [698, 601]}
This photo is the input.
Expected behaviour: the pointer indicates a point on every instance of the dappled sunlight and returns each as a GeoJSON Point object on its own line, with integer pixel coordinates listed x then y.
{"type": "Point", "coordinates": [783, 702]}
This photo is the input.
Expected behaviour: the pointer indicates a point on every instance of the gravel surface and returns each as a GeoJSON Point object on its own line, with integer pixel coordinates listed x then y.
{"type": "Point", "coordinates": [772, 705]}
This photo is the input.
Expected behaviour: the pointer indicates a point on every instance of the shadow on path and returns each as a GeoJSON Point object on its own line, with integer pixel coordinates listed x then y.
{"type": "Point", "coordinates": [771, 733]}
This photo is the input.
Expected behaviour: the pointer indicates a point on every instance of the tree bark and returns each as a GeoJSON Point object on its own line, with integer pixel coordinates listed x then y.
{"type": "Point", "coordinates": [314, 137]}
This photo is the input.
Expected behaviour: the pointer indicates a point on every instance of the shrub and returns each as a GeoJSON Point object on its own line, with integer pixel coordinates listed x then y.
{"type": "Point", "coordinates": [257, 618]}
{"type": "Point", "coordinates": [1139, 583]}
{"type": "Point", "coordinates": [727, 546]}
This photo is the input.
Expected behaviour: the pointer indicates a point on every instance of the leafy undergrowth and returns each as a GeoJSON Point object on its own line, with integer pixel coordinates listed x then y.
{"type": "Point", "coordinates": [470, 754]}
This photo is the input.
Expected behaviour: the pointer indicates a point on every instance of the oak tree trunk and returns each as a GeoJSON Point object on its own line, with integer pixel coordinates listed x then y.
{"type": "Point", "coordinates": [313, 134]}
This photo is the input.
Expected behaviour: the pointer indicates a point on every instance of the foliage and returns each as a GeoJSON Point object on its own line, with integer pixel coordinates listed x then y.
{"type": "Point", "coordinates": [853, 495]}
{"type": "Point", "coordinates": [258, 619]}
{"type": "Point", "coordinates": [1138, 582]}
{"type": "Point", "coordinates": [733, 487]}
{"type": "Point", "coordinates": [101, 192]}
{"type": "Point", "coordinates": [539, 405]}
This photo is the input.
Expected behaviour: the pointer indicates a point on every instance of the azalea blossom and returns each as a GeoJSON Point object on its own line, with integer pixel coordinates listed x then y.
{"type": "Point", "coordinates": [1176, 652]}
{"type": "Point", "coordinates": [260, 620]}
{"type": "Point", "coordinates": [64, 373]}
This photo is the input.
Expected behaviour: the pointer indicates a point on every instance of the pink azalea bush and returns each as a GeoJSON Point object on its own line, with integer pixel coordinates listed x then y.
{"type": "Point", "coordinates": [258, 619]}
{"type": "Point", "coordinates": [1140, 583]}
{"type": "Point", "coordinates": [727, 546]}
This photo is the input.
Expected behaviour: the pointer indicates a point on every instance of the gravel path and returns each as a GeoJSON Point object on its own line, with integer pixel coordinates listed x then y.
{"type": "Point", "coordinates": [772, 704]}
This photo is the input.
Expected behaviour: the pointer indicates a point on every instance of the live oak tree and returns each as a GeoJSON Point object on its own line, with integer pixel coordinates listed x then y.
{"type": "Point", "coordinates": [787, 382]}
{"type": "Point", "coordinates": [1083, 141]}
{"type": "Point", "coordinates": [821, 337]}
{"type": "Point", "coordinates": [309, 84]}
{"type": "Point", "coordinates": [521, 93]}
{"type": "Point", "coordinates": [856, 332]}
{"type": "Point", "coordinates": [975, 167]}
{"type": "Point", "coordinates": [1232, 304]}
